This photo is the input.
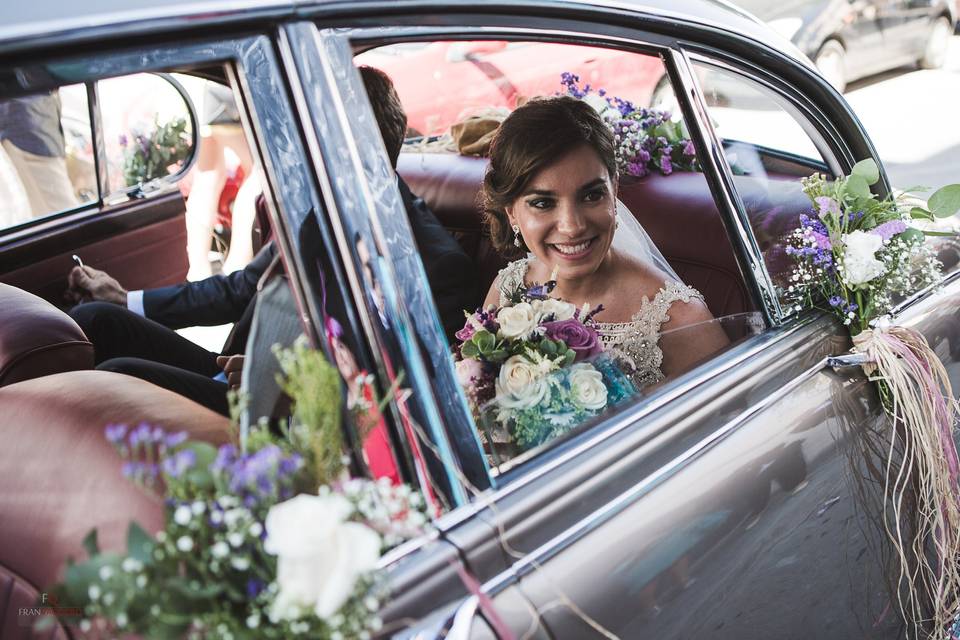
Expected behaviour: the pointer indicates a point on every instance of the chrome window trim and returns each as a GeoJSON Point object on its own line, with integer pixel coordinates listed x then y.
{"type": "Point", "coordinates": [543, 553]}
{"type": "Point", "coordinates": [336, 225]}
{"type": "Point", "coordinates": [747, 250]}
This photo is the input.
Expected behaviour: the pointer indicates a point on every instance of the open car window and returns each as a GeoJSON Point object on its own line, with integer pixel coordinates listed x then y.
{"type": "Point", "coordinates": [448, 87]}
{"type": "Point", "coordinates": [80, 144]}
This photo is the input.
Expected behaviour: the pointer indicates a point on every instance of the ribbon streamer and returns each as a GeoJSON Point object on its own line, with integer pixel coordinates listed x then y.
{"type": "Point", "coordinates": [917, 394]}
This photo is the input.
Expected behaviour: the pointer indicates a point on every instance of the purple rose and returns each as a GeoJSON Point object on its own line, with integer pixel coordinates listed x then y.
{"type": "Point", "coordinates": [577, 336]}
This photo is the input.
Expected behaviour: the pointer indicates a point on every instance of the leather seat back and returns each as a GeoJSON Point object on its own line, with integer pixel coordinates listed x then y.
{"type": "Point", "coordinates": [37, 339]}
{"type": "Point", "coordinates": [678, 211]}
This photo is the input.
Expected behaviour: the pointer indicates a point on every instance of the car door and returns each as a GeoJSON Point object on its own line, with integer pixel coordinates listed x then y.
{"type": "Point", "coordinates": [71, 188]}
{"type": "Point", "coordinates": [742, 499]}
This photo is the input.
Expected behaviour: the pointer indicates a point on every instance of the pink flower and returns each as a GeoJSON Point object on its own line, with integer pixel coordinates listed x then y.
{"type": "Point", "coordinates": [577, 336]}
{"type": "Point", "coordinates": [827, 205]}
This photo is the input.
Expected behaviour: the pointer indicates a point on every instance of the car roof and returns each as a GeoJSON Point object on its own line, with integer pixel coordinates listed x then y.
{"type": "Point", "coordinates": [29, 24]}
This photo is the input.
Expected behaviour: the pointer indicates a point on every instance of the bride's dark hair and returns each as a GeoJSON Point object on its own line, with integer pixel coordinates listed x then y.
{"type": "Point", "coordinates": [535, 135]}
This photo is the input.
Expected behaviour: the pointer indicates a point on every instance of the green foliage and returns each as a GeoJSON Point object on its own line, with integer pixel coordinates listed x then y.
{"type": "Point", "coordinates": [316, 427]}
{"type": "Point", "coordinates": [150, 155]}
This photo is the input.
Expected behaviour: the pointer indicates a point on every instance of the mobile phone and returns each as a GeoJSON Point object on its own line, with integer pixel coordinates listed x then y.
{"type": "Point", "coordinates": [77, 259]}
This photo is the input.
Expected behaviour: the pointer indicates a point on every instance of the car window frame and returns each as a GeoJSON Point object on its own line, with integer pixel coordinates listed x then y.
{"type": "Point", "coordinates": [34, 78]}
{"type": "Point", "coordinates": [604, 427]}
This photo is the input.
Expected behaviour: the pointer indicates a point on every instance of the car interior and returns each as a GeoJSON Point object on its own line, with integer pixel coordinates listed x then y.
{"type": "Point", "coordinates": [138, 236]}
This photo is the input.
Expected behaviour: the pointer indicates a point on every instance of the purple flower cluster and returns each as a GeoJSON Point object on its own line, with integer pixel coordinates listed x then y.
{"type": "Point", "coordinates": [818, 248]}
{"type": "Point", "coordinates": [261, 477]}
{"type": "Point", "coordinates": [838, 302]}
{"type": "Point", "coordinates": [641, 147]}
{"type": "Point", "coordinates": [149, 450]}
{"type": "Point", "coordinates": [484, 319]}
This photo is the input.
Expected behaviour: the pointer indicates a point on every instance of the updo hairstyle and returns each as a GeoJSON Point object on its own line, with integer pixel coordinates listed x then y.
{"type": "Point", "coordinates": [535, 135]}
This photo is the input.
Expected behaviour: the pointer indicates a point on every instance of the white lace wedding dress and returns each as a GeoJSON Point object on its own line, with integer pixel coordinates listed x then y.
{"type": "Point", "coordinates": [634, 344]}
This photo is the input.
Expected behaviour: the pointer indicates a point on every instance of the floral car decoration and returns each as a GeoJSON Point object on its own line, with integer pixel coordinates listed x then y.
{"type": "Point", "coordinates": [534, 368]}
{"type": "Point", "coordinates": [152, 153]}
{"type": "Point", "coordinates": [646, 140]}
{"type": "Point", "coordinates": [855, 255]}
{"type": "Point", "coordinates": [250, 547]}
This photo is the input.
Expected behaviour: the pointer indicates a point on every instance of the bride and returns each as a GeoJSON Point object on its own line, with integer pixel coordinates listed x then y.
{"type": "Point", "coordinates": [549, 195]}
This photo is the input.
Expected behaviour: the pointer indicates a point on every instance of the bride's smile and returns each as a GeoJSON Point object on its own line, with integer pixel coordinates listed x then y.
{"type": "Point", "coordinates": [566, 214]}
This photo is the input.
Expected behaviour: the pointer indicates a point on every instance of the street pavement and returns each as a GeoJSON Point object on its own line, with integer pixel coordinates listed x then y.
{"type": "Point", "coordinates": [912, 116]}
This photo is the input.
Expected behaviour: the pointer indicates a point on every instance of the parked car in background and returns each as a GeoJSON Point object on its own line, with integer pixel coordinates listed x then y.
{"type": "Point", "coordinates": [852, 39]}
{"type": "Point", "coordinates": [740, 499]}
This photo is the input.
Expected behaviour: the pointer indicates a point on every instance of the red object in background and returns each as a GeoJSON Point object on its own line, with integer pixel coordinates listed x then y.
{"type": "Point", "coordinates": [227, 195]}
{"type": "Point", "coordinates": [439, 81]}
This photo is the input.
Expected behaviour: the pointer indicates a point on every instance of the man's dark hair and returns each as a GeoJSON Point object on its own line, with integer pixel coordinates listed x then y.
{"type": "Point", "coordinates": [386, 109]}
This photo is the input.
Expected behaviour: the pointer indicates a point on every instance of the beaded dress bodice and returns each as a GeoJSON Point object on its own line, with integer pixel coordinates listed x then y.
{"type": "Point", "coordinates": [634, 344]}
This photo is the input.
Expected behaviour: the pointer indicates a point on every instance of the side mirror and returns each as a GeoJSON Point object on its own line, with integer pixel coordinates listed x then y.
{"type": "Point", "coordinates": [150, 129]}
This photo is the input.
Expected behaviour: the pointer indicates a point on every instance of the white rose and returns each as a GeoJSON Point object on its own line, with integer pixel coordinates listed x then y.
{"type": "Point", "coordinates": [516, 321]}
{"type": "Point", "coordinates": [559, 309]}
{"type": "Point", "coordinates": [860, 265]}
{"type": "Point", "coordinates": [519, 384]}
{"type": "Point", "coordinates": [320, 554]}
{"type": "Point", "coordinates": [586, 387]}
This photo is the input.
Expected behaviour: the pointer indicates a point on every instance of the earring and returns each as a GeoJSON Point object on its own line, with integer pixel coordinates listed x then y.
{"type": "Point", "coordinates": [516, 235]}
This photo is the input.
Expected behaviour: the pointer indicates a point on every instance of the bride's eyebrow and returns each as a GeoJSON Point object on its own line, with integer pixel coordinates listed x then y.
{"type": "Point", "coordinates": [596, 182]}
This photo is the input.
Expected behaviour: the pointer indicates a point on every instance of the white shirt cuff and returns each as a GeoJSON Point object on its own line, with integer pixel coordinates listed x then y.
{"type": "Point", "coordinates": [135, 302]}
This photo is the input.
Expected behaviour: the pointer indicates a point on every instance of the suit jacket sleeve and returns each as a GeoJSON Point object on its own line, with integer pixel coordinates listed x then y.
{"type": "Point", "coordinates": [215, 300]}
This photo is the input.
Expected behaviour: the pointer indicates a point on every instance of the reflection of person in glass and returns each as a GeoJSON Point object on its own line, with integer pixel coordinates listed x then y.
{"type": "Point", "coordinates": [32, 137]}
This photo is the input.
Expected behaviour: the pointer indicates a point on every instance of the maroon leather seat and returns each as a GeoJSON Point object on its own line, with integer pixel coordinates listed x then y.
{"type": "Point", "coordinates": [678, 212]}
{"type": "Point", "coordinates": [37, 339]}
{"type": "Point", "coordinates": [61, 478]}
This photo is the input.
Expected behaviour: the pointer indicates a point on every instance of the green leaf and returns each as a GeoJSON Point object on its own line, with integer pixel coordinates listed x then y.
{"type": "Point", "coordinates": [484, 340]}
{"type": "Point", "coordinates": [912, 234]}
{"type": "Point", "coordinates": [917, 188]}
{"type": "Point", "coordinates": [549, 347]}
{"type": "Point", "coordinates": [866, 169]}
{"type": "Point", "coordinates": [569, 357]}
{"type": "Point", "coordinates": [858, 187]}
{"type": "Point", "coordinates": [90, 543]}
{"type": "Point", "coordinates": [139, 544]}
{"type": "Point", "coordinates": [919, 213]}
{"type": "Point", "coordinates": [945, 201]}
{"type": "Point", "coordinates": [469, 350]}
{"type": "Point", "coordinates": [497, 355]}
{"type": "Point", "coordinates": [942, 234]}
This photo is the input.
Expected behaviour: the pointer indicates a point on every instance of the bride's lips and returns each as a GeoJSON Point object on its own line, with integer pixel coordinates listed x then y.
{"type": "Point", "coordinates": [572, 250]}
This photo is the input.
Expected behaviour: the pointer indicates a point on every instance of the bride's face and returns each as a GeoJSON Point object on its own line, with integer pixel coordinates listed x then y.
{"type": "Point", "coordinates": [567, 212]}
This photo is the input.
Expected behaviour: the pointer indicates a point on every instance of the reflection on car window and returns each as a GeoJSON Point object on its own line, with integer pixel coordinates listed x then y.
{"type": "Point", "coordinates": [770, 147]}
{"type": "Point", "coordinates": [46, 155]}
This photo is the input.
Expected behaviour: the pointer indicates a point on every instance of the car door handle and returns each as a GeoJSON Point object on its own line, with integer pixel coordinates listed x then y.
{"type": "Point", "coordinates": [848, 360]}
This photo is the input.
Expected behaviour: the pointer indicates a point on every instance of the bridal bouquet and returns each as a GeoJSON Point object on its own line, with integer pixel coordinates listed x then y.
{"type": "Point", "coordinates": [647, 139]}
{"type": "Point", "coordinates": [535, 368]}
{"type": "Point", "coordinates": [854, 255]}
{"type": "Point", "coordinates": [250, 547]}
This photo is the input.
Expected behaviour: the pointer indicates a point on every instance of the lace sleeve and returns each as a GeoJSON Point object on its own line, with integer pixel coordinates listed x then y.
{"type": "Point", "coordinates": [511, 277]}
{"type": "Point", "coordinates": [656, 313]}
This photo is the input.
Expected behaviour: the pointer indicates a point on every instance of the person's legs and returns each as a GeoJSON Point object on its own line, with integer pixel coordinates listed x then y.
{"type": "Point", "coordinates": [209, 176]}
{"type": "Point", "coordinates": [199, 388]}
{"type": "Point", "coordinates": [241, 226]}
{"type": "Point", "coordinates": [119, 333]}
{"type": "Point", "coordinates": [44, 179]}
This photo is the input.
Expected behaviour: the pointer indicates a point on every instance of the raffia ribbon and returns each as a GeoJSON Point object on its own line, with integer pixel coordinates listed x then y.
{"type": "Point", "coordinates": [919, 398]}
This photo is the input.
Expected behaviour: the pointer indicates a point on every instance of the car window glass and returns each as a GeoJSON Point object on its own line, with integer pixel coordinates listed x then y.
{"type": "Point", "coordinates": [442, 84]}
{"type": "Point", "coordinates": [769, 147]}
{"type": "Point", "coordinates": [46, 155]}
{"type": "Point", "coordinates": [147, 129]}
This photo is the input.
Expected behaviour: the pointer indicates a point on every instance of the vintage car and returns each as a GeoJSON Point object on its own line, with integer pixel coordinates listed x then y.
{"type": "Point", "coordinates": [740, 499]}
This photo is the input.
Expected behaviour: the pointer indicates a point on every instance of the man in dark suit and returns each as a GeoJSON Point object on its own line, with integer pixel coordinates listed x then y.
{"type": "Point", "coordinates": [133, 332]}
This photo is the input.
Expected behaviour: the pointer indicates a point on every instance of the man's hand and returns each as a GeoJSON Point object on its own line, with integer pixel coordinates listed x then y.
{"type": "Point", "coordinates": [233, 368]}
{"type": "Point", "coordinates": [86, 284]}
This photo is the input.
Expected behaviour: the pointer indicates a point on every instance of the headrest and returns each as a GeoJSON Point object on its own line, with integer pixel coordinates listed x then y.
{"type": "Point", "coordinates": [37, 339]}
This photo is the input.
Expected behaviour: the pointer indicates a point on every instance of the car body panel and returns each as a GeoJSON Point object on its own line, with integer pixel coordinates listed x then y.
{"type": "Point", "coordinates": [732, 502]}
